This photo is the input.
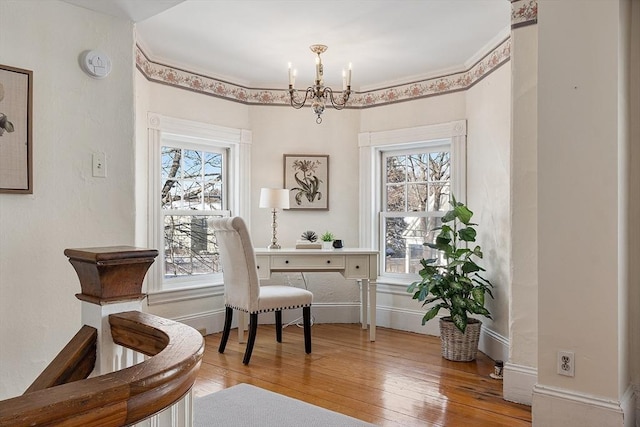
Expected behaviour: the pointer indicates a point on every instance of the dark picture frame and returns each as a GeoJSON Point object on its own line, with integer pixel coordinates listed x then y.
{"type": "Point", "coordinates": [306, 176]}
{"type": "Point", "coordinates": [16, 130]}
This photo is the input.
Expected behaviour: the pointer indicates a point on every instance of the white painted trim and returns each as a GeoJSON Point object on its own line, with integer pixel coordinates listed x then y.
{"type": "Point", "coordinates": [568, 408]}
{"type": "Point", "coordinates": [212, 321]}
{"type": "Point", "coordinates": [371, 144]}
{"type": "Point", "coordinates": [184, 294]}
{"type": "Point", "coordinates": [629, 405]}
{"type": "Point", "coordinates": [518, 383]}
{"type": "Point", "coordinates": [237, 141]}
{"type": "Point", "coordinates": [491, 343]}
{"type": "Point", "coordinates": [389, 138]}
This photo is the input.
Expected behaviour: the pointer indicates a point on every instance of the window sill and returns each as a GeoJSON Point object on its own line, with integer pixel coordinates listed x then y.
{"type": "Point", "coordinates": [184, 294]}
{"type": "Point", "coordinates": [398, 281]}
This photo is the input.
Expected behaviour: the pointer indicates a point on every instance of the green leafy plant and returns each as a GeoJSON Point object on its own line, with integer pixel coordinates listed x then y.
{"type": "Point", "coordinates": [455, 285]}
{"type": "Point", "coordinates": [327, 236]}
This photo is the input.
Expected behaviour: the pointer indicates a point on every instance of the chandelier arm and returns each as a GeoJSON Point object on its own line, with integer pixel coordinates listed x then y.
{"type": "Point", "coordinates": [336, 103]}
{"type": "Point", "coordinates": [295, 100]}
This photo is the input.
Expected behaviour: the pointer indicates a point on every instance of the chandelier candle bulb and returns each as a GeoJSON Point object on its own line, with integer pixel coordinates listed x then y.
{"type": "Point", "coordinates": [344, 80]}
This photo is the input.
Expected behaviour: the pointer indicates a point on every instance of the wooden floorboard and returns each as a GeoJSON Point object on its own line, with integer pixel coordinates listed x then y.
{"type": "Point", "coordinates": [398, 380]}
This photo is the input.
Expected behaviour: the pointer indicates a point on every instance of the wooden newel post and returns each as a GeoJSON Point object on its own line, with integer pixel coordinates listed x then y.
{"type": "Point", "coordinates": [111, 282]}
{"type": "Point", "coordinates": [111, 274]}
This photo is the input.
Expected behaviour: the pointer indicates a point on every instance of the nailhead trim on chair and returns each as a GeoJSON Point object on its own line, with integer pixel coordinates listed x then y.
{"type": "Point", "coordinates": [270, 310]}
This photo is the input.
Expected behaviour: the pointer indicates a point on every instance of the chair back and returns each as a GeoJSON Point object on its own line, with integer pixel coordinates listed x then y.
{"type": "Point", "coordinates": [239, 271]}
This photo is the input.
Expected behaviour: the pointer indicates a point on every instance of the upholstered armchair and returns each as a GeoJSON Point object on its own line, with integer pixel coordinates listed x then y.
{"type": "Point", "coordinates": [242, 290]}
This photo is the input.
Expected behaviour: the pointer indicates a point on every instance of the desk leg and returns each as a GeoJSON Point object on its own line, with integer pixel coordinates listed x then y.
{"type": "Point", "coordinates": [372, 310]}
{"type": "Point", "coordinates": [242, 321]}
{"type": "Point", "coordinates": [364, 284]}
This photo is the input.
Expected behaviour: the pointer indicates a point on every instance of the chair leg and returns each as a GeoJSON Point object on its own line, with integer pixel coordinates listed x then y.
{"type": "Point", "coordinates": [253, 328]}
{"type": "Point", "coordinates": [306, 320]}
{"type": "Point", "coordinates": [228, 317]}
{"type": "Point", "coordinates": [279, 325]}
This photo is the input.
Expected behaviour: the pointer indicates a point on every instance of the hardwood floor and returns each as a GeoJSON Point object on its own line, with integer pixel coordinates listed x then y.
{"type": "Point", "coordinates": [398, 380]}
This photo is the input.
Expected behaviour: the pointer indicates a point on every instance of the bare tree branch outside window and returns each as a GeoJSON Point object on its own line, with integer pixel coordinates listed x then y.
{"type": "Point", "coordinates": [417, 183]}
{"type": "Point", "coordinates": [192, 191]}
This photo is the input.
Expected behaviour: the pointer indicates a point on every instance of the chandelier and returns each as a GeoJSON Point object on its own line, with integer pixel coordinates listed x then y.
{"type": "Point", "coordinates": [318, 94]}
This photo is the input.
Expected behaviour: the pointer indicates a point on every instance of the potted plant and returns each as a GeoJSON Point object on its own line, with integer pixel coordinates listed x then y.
{"type": "Point", "coordinates": [454, 284]}
{"type": "Point", "coordinates": [327, 239]}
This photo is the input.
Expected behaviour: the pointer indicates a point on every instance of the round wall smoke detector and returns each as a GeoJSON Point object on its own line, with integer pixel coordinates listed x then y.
{"type": "Point", "coordinates": [95, 63]}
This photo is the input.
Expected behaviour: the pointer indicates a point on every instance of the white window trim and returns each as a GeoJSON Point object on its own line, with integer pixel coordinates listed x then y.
{"type": "Point", "coordinates": [372, 144]}
{"type": "Point", "coordinates": [238, 142]}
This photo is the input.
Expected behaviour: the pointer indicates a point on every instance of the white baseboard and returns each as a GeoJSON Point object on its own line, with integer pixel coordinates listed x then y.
{"type": "Point", "coordinates": [212, 321]}
{"type": "Point", "coordinates": [553, 407]}
{"type": "Point", "coordinates": [518, 383]}
{"type": "Point", "coordinates": [491, 343]}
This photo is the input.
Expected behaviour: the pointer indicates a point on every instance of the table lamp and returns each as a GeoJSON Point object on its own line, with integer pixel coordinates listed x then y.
{"type": "Point", "coordinates": [274, 198]}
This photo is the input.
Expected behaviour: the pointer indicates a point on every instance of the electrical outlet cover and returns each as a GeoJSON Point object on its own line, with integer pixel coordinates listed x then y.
{"type": "Point", "coordinates": [566, 363]}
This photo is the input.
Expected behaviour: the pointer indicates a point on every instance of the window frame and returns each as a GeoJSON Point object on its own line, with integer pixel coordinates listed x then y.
{"type": "Point", "coordinates": [372, 145]}
{"type": "Point", "coordinates": [162, 131]}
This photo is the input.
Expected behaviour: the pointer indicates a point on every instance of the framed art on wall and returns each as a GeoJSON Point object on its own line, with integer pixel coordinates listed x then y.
{"type": "Point", "coordinates": [16, 106]}
{"type": "Point", "coordinates": [306, 176]}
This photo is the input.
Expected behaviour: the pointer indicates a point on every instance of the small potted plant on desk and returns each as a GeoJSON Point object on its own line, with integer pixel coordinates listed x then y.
{"type": "Point", "coordinates": [327, 240]}
{"type": "Point", "coordinates": [455, 285]}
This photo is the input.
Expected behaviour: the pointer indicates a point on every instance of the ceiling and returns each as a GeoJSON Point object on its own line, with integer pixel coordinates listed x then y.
{"type": "Point", "coordinates": [251, 42]}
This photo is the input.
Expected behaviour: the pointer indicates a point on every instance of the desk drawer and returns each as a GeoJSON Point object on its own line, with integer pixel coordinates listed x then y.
{"type": "Point", "coordinates": [262, 262]}
{"type": "Point", "coordinates": [320, 262]}
{"type": "Point", "coordinates": [357, 267]}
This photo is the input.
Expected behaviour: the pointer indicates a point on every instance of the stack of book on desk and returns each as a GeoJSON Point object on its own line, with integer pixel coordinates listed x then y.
{"type": "Point", "coordinates": [305, 244]}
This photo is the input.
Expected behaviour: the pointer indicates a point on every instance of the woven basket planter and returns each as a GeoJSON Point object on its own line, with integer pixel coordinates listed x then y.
{"type": "Point", "coordinates": [457, 346]}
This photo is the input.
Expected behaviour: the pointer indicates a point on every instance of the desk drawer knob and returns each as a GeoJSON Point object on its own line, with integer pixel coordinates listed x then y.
{"type": "Point", "coordinates": [328, 261]}
{"type": "Point", "coordinates": [286, 262]}
{"type": "Point", "coordinates": [258, 267]}
{"type": "Point", "coordinates": [357, 267]}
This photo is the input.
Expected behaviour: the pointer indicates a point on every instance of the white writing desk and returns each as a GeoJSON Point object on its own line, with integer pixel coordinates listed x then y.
{"type": "Point", "coordinates": [352, 263]}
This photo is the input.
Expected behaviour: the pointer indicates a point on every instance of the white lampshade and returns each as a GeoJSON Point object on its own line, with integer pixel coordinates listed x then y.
{"type": "Point", "coordinates": [274, 198]}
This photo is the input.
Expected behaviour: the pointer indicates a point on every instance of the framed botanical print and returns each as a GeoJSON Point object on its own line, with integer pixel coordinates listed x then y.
{"type": "Point", "coordinates": [306, 176]}
{"type": "Point", "coordinates": [16, 106]}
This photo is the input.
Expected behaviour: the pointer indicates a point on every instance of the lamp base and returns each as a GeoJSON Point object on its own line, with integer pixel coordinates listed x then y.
{"type": "Point", "coordinates": [273, 246]}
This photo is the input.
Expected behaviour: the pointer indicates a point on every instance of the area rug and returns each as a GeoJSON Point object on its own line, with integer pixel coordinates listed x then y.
{"type": "Point", "coordinates": [244, 405]}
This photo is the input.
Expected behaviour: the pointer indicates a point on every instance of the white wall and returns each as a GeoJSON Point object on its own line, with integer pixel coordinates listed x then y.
{"type": "Point", "coordinates": [73, 116]}
{"type": "Point", "coordinates": [583, 199]}
{"type": "Point", "coordinates": [520, 373]}
{"type": "Point", "coordinates": [488, 112]}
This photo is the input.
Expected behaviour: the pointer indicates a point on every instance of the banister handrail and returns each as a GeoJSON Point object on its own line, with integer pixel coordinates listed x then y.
{"type": "Point", "coordinates": [75, 362]}
{"type": "Point", "coordinates": [122, 397]}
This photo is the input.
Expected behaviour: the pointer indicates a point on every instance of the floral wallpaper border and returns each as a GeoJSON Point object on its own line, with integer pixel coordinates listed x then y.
{"type": "Point", "coordinates": [523, 12]}
{"type": "Point", "coordinates": [183, 79]}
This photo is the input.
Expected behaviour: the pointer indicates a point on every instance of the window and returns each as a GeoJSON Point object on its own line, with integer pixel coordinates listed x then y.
{"type": "Point", "coordinates": [415, 195]}
{"type": "Point", "coordinates": [196, 171]}
{"type": "Point", "coordinates": [406, 179]}
{"type": "Point", "coordinates": [193, 186]}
